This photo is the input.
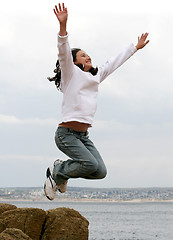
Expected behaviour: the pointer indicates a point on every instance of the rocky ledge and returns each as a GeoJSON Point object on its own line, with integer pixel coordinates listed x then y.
{"type": "Point", "coordinates": [37, 224]}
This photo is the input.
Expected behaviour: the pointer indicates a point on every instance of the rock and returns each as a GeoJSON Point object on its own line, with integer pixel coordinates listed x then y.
{"type": "Point", "coordinates": [2, 226]}
{"type": "Point", "coordinates": [29, 220]}
{"type": "Point", "coordinates": [3, 208]}
{"type": "Point", "coordinates": [37, 224]}
{"type": "Point", "coordinates": [13, 234]}
{"type": "Point", "coordinates": [65, 224]}
{"type": "Point", "coordinates": [6, 207]}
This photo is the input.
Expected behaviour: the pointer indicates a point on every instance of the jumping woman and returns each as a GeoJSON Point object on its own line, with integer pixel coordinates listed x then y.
{"type": "Point", "coordinates": [78, 80]}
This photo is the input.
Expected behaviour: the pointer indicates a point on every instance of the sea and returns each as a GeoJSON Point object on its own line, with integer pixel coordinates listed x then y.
{"type": "Point", "coordinates": [119, 221]}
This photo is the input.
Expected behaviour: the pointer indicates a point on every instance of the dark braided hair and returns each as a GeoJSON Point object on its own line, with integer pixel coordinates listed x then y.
{"type": "Point", "coordinates": [57, 77]}
{"type": "Point", "coordinates": [57, 70]}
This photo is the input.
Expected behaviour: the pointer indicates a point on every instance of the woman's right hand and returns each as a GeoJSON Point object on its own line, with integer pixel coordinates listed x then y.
{"type": "Point", "coordinates": [61, 13]}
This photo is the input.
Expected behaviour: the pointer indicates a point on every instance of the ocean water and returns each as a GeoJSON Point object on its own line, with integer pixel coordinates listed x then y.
{"type": "Point", "coordinates": [120, 221]}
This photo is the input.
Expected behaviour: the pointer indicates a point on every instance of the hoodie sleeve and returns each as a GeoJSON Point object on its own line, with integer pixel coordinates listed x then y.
{"type": "Point", "coordinates": [115, 62]}
{"type": "Point", "coordinates": [65, 58]}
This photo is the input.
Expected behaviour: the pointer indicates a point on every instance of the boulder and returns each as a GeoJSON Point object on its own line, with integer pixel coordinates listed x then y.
{"type": "Point", "coordinates": [37, 224]}
{"type": "Point", "coordinates": [6, 207]}
{"type": "Point", "coordinates": [28, 220]}
{"type": "Point", "coordinates": [65, 224]}
{"type": "Point", "coordinates": [3, 208]}
{"type": "Point", "coordinates": [13, 234]}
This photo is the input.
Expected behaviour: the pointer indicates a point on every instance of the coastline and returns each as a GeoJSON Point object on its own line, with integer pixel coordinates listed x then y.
{"type": "Point", "coordinates": [88, 200]}
{"type": "Point", "coordinates": [95, 195]}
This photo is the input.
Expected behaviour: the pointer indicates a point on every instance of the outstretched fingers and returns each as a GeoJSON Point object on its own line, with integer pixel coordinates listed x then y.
{"type": "Point", "coordinates": [56, 10]}
{"type": "Point", "coordinates": [142, 41]}
{"type": "Point", "coordinates": [59, 8]}
{"type": "Point", "coordinates": [61, 13]}
{"type": "Point", "coordinates": [144, 36]}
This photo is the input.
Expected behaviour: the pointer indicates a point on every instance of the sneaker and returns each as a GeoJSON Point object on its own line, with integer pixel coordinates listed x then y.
{"type": "Point", "coordinates": [62, 188]}
{"type": "Point", "coordinates": [50, 186]}
{"type": "Point", "coordinates": [58, 161]}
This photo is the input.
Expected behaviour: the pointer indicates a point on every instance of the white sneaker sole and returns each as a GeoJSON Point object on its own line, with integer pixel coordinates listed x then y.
{"type": "Point", "coordinates": [50, 187]}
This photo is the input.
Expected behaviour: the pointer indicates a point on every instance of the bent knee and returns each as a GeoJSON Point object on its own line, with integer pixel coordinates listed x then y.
{"type": "Point", "coordinates": [102, 173]}
{"type": "Point", "coordinates": [94, 166]}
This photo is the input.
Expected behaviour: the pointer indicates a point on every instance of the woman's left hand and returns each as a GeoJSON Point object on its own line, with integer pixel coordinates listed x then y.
{"type": "Point", "coordinates": [142, 41]}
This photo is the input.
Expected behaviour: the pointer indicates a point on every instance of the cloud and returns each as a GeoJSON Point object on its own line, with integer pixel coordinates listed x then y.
{"type": "Point", "coordinates": [32, 121]}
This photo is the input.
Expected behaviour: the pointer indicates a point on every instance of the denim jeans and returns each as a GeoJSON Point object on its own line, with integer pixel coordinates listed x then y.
{"type": "Point", "coordinates": [85, 160]}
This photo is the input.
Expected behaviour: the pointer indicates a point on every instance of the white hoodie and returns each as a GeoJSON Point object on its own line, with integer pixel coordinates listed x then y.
{"type": "Point", "coordinates": [80, 88]}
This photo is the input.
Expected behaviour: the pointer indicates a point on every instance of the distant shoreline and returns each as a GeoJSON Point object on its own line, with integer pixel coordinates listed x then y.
{"type": "Point", "coordinates": [87, 200]}
{"type": "Point", "coordinates": [95, 195]}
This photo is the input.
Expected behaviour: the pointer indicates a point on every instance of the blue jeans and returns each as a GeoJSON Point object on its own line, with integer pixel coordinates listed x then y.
{"type": "Point", "coordinates": [85, 160]}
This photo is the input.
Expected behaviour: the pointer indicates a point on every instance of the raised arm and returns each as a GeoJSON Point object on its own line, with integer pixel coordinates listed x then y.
{"type": "Point", "coordinates": [118, 60]}
{"type": "Point", "coordinates": [62, 15]}
{"type": "Point", "coordinates": [64, 50]}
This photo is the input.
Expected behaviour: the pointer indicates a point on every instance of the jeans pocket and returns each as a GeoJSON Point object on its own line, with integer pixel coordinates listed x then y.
{"type": "Point", "coordinates": [63, 140]}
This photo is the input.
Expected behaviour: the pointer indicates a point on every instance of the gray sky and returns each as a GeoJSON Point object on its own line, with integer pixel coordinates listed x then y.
{"type": "Point", "coordinates": [133, 126]}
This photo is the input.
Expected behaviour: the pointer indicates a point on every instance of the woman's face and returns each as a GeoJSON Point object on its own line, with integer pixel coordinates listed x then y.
{"type": "Point", "coordinates": [84, 59]}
